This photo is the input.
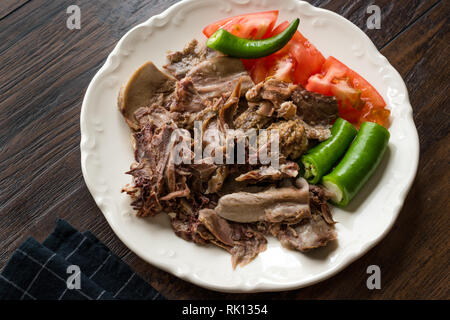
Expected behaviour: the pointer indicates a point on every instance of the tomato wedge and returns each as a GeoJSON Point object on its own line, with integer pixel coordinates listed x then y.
{"type": "Point", "coordinates": [250, 26]}
{"type": "Point", "coordinates": [300, 62]}
{"type": "Point", "coordinates": [296, 62]}
{"type": "Point", "coordinates": [358, 100]}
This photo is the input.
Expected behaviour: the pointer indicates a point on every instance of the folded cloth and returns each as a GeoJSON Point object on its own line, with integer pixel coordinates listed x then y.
{"type": "Point", "coordinates": [70, 265]}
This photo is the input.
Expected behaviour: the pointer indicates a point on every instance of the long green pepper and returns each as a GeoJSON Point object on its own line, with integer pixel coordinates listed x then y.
{"type": "Point", "coordinates": [231, 45]}
{"type": "Point", "coordinates": [320, 159]}
{"type": "Point", "coordinates": [358, 164]}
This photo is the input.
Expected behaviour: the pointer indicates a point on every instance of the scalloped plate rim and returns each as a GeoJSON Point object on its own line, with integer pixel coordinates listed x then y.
{"type": "Point", "coordinates": [260, 287]}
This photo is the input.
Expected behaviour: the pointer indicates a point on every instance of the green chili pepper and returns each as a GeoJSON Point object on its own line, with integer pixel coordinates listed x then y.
{"type": "Point", "coordinates": [320, 159]}
{"type": "Point", "coordinates": [231, 45]}
{"type": "Point", "coordinates": [358, 164]}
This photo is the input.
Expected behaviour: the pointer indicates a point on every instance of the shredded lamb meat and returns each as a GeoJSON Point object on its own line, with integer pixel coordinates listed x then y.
{"type": "Point", "coordinates": [218, 76]}
{"type": "Point", "coordinates": [233, 206]}
{"type": "Point", "coordinates": [309, 234]}
{"type": "Point", "coordinates": [316, 231]}
{"type": "Point", "coordinates": [243, 241]}
{"type": "Point", "coordinates": [180, 62]}
{"type": "Point", "coordinates": [286, 170]}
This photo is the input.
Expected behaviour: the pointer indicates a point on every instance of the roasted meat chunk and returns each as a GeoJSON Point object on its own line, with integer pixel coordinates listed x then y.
{"type": "Point", "coordinates": [314, 108]}
{"type": "Point", "coordinates": [252, 119]}
{"type": "Point", "coordinates": [273, 90]}
{"type": "Point", "coordinates": [310, 233]}
{"type": "Point", "coordinates": [147, 87]}
{"type": "Point", "coordinates": [293, 141]}
{"type": "Point", "coordinates": [286, 204]}
{"type": "Point", "coordinates": [218, 76]}
{"type": "Point", "coordinates": [286, 170]}
{"type": "Point", "coordinates": [243, 241]}
{"type": "Point", "coordinates": [180, 62]}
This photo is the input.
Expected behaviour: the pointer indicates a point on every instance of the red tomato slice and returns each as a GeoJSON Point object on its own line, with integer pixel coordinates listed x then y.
{"type": "Point", "coordinates": [368, 92]}
{"type": "Point", "coordinates": [250, 26]}
{"type": "Point", "coordinates": [358, 100]}
{"type": "Point", "coordinates": [258, 68]}
{"type": "Point", "coordinates": [322, 82]}
{"type": "Point", "coordinates": [283, 68]}
{"type": "Point", "coordinates": [308, 59]}
{"type": "Point", "coordinates": [295, 62]}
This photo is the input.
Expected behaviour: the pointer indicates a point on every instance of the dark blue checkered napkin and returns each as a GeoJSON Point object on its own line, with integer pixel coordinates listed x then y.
{"type": "Point", "coordinates": [70, 265]}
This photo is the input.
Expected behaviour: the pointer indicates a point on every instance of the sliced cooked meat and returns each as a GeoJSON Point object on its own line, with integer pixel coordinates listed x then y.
{"type": "Point", "coordinates": [318, 201]}
{"type": "Point", "coordinates": [188, 229]}
{"type": "Point", "coordinates": [218, 76]}
{"type": "Point", "coordinates": [252, 119]}
{"type": "Point", "coordinates": [264, 108]}
{"type": "Point", "coordinates": [203, 75]}
{"type": "Point", "coordinates": [273, 90]}
{"type": "Point", "coordinates": [176, 184]}
{"type": "Point", "coordinates": [203, 170]}
{"type": "Point", "coordinates": [227, 111]}
{"type": "Point", "coordinates": [180, 62]}
{"type": "Point", "coordinates": [286, 170]}
{"type": "Point", "coordinates": [232, 186]}
{"type": "Point", "coordinates": [215, 121]}
{"type": "Point", "coordinates": [208, 114]}
{"type": "Point", "coordinates": [155, 115]}
{"type": "Point", "coordinates": [182, 228]}
{"type": "Point", "coordinates": [248, 243]}
{"type": "Point", "coordinates": [287, 204]}
{"type": "Point", "coordinates": [186, 98]}
{"type": "Point", "coordinates": [147, 86]}
{"type": "Point", "coordinates": [212, 137]}
{"type": "Point", "coordinates": [152, 150]}
{"type": "Point", "coordinates": [218, 226]}
{"type": "Point", "coordinates": [288, 100]}
{"type": "Point", "coordinates": [287, 110]}
{"type": "Point", "coordinates": [317, 132]}
{"type": "Point", "coordinates": [185, 220]}
{"type": "Point", "coordinates": [243, 241]}
{"type": "Point", "coordinates": [198, 176]}
{"type": "Point", "coordinates": [155, 176]}
{"type": "Point", "coordinates": [266, 99]}
{"type": "Point", "coordinates": [308, 234]}
{"type": "Point", "coordinates": [292, 137]}
{"type": "Point", "coordinates": [314, 108]}
{"type": "Point", "coordinates": [217, 180]}
{"type": "Point", "coordinates": [213, 140]}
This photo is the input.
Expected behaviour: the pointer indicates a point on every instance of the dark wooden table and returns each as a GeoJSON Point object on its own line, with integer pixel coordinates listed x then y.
{"type": "Point", "coordinates": [46, 68]}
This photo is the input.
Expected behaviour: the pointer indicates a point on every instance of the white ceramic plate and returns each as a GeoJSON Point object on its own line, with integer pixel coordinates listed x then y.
{"type": "Point", "coordinates": [106, 152]}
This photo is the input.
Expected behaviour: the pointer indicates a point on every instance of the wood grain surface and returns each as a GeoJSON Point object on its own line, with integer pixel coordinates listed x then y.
{"type": "Point", "coordinates": [46, 68]}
